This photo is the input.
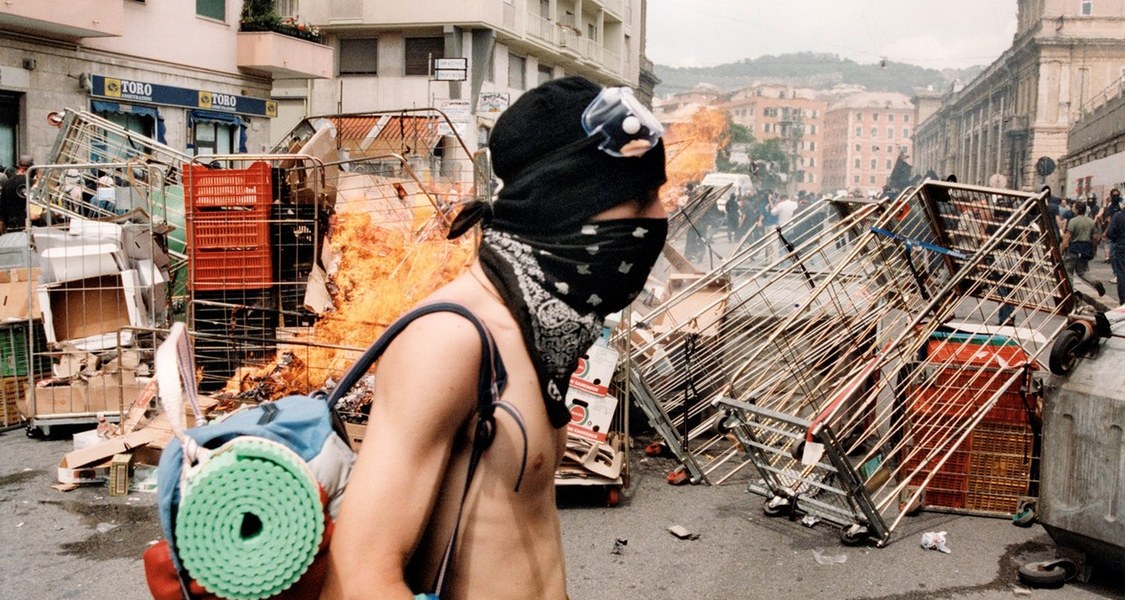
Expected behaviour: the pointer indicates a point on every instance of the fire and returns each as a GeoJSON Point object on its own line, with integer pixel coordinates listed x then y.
{"type": "Point", "coordinates": [692, 149]}
{"type": "Point", "coordinates": [382, 272]}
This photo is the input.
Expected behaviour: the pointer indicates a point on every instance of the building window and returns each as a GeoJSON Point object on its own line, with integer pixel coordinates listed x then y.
{"type": "Point", "coordinates": [546, 74]}
{"type": "Point", "coordinates": [1087, 7]}
{"type": "Point", "coordinates": [213, 138]}
{"type": "Point", "coordinates": [874, 132]}
{"type": "Point", "coordinates": [859, 116]}
{"type": "Point", "coordinates": [812, 145]}
{"type": "Point", "coordinates": [890, 133]}
{"type": "Point", "coordinates": [874, 116]}
{"type": "Point", "coordinates": [888, 164]}
{"type": "Point", "coordinates": [419, 51]}
{"type": "Point", "coordinates": [812, 129]}
{"type": "Point", "coordinates": [855, 179]}
{"type": "Point", "coordinates": [766, 127]}
{"type": "Point", "coordinates": [859, 132]}
{"type": "Point", "coordinates": [872, 180]}
{"type": "Point", "coordinates": [517, 70]}
{"type": "Point", "coordinates": [212, 9]}
{"type": "Point", "coordinates": [873, 163]}
{"type": "Point", "coordinates": [858, 148]}
{"type": "Point", "coordinates": [812, 161]}
{"type": "Point", "coordinates": [857, 163]}
{"type": "Point", "coordinates": [890, 117]}
{"type": "Point", "coordinates": [905, 132]}
{"type": "Point", "coordinates": [287, 8]}
{"type": "Point", "coordinates": [358, 56]}
{"type": "Point", "coordinates": [905, 118]}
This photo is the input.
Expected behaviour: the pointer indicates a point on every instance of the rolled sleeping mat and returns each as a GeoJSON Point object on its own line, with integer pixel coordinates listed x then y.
{"type": "Point", "coordinates": [250, 521]}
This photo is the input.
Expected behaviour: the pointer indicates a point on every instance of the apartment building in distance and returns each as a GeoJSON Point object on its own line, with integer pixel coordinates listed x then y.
{"type": "Point", "coordinates": [178, 72]}
{"type": "Point", "coordinates": [1012, 120]}
{"type": "Point", "coordinates": [792, 115]}
{"type": "Point", "coordinates": [491, 51]}
{"type": "Point", "coordinates": [865, 134]}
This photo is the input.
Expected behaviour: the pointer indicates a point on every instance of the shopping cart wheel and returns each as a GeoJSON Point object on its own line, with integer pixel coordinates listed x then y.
{"type": "Point", "coordinates": [1064, 352]}
{"type": "Point", "coordinates": [34, 432]}
{"type": "Point", "coordinates": [775, 506]}
{"type": "Point", "coordinates": [1047, 573]}
{"type": "Point", "coordinates": [854, 535]}
{"type": "Point", "coordinates": [1025, 516]}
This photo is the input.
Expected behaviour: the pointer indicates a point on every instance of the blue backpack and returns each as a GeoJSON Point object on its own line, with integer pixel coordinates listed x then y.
{"type": "Point", "coordinates": [247, 504]}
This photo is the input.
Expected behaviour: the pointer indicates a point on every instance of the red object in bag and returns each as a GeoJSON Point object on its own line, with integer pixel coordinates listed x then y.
{"type": "Point", "coordinates": [164, 582]}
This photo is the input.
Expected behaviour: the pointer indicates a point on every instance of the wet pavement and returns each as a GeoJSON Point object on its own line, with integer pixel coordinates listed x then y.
{"type": "Point", "coordinates": [87, 544]}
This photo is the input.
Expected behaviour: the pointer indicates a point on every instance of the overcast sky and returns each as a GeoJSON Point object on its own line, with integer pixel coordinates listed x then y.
{"type": "Point", "coordinates": [928, 33]}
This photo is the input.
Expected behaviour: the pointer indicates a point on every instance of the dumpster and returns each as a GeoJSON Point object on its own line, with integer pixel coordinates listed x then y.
{"type": "Point", "coordinates": [1082, 490]}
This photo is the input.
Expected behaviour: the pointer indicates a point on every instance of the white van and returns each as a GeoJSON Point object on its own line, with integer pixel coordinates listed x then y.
{"type": "Point", "coordinates": [740, 184]}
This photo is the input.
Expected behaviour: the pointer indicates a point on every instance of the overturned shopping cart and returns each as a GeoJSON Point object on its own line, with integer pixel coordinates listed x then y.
{"type": "Point", "coordinates": [858, 363]}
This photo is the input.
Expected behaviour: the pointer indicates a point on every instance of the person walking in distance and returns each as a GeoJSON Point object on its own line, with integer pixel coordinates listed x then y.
{"type": "Point", "coordinates": [570, 239]}
{"type": "Point", "coordinates": [13, 197]}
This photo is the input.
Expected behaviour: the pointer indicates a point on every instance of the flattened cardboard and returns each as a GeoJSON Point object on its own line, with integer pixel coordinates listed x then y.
{"type": "Point", "coordinates": [15, 301]}
{"type": "Point", "coordinates": [91, 465]}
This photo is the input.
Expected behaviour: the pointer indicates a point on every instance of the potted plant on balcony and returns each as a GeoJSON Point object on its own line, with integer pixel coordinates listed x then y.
{"type": "Point", "coordinates": [291, 26]}
{"type": "Point", "coordinates": [259, 15]}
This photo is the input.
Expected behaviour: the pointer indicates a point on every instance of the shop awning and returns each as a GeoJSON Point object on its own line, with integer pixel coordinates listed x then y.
{"type": "Point", "coordinates": [374, 135]}
{"type": "Point", "coordinates": [209, 116]}
{"type": "Point", "coordinates": [120, 108]}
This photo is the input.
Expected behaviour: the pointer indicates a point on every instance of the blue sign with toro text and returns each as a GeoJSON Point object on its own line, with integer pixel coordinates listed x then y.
{"type": "Point", "coordinates": [154, 93]}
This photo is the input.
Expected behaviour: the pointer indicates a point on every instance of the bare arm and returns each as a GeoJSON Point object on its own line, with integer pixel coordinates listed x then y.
{"type": "Point", "coordinates": [425, 392]}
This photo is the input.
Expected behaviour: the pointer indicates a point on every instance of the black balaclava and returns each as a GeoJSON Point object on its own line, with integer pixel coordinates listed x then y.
{"type": "Point", "coordinates": [559, 273]}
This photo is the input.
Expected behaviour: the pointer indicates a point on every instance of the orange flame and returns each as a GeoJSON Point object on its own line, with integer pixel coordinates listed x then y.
{"type": "Point", "coordinates": [692, 149]}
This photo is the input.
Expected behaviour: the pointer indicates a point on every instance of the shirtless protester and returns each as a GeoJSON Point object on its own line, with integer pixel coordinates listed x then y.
{"type": "Point", "coordinates": [571, 238]}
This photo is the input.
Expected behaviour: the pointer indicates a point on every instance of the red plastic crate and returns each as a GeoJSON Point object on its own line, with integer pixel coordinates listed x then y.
{"type": "Point", "coordinates": [1000, 467]}
{"type": "Point", "coordinates": [949, 485]}
{"type": "Point", "coordinates": [206, 188]}
{"type": "Point", "coordinates": [231, 269]}
{"type": "Point", "coordinates": [951, 389]}
{"type": "Point", "coordinates": [975, 354]}
{"type": "Point", "coordinates": [228, 229]}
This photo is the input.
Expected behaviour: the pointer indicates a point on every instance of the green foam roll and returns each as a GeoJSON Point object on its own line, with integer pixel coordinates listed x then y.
{"type": "Point", "coordinates": [250, 521]}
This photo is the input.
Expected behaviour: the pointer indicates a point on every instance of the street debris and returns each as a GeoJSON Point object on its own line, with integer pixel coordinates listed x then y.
{"type": "Point", "coordinates": [935, 540]}
{"type": "Point", "coordinates": [829, 559]}
{"type": "Point", "coordinates": [619, 546]}
{"type": "Point", "coordinates": [682, 532]}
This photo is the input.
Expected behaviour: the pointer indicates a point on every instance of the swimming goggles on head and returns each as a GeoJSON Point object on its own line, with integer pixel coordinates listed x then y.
{"type": "Point", "coordinates": [629, 128]}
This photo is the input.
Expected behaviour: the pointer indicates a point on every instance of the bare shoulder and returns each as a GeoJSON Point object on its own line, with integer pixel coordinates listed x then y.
{"type": "Point", "coordinates": [432, 365]}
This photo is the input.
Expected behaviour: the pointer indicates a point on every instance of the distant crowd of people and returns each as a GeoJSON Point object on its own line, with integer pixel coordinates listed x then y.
{"type": "Point", "coordinates": [1087, 227]}
{"type": "Point", "coordinates": [742, 218]}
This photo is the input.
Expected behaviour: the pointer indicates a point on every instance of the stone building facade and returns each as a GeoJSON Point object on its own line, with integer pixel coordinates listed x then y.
{"type": "Point", "coordinates": [1009, 125]}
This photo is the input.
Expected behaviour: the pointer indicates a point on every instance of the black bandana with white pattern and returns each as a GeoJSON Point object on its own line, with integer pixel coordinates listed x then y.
{"type": "Point", "coordinates": [561, 286]}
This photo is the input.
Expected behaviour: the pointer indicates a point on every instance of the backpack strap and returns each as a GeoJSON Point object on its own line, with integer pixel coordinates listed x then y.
{"type": "Point", "coordinates": [491, 382]}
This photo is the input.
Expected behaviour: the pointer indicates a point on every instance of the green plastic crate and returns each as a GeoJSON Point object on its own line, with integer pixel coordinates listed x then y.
{"type": "Point", "coordinates": [14, 349]}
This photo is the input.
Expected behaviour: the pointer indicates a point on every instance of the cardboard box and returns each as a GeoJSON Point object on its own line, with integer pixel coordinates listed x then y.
{"type": "Point", "coordinates": [119, 467]}
{"type": "Point", "coordinates": [101, 393]}
{"type": "Point", "coordinates": [15, 301]}
{"type": "Point", "coordinates": [91, 465]}
{"type": "Point", "coordinates": [89, 312]}
{"type": "Point", "coordinates": [591, 415]}
{"type": "Point", "coordinates": [595, 370]}
{"type": "Point", "coordinates": [355, 434]}
{"type": "Point", "coordinates": [65, 263]}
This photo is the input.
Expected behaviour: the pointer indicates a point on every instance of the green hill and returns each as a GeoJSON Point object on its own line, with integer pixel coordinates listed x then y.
{"type": "Point", "coordinates": [809, 69]}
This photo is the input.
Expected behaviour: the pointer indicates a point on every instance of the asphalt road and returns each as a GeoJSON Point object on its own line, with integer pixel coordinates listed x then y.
{"type": "Point", "coordinates": [87, 544]}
